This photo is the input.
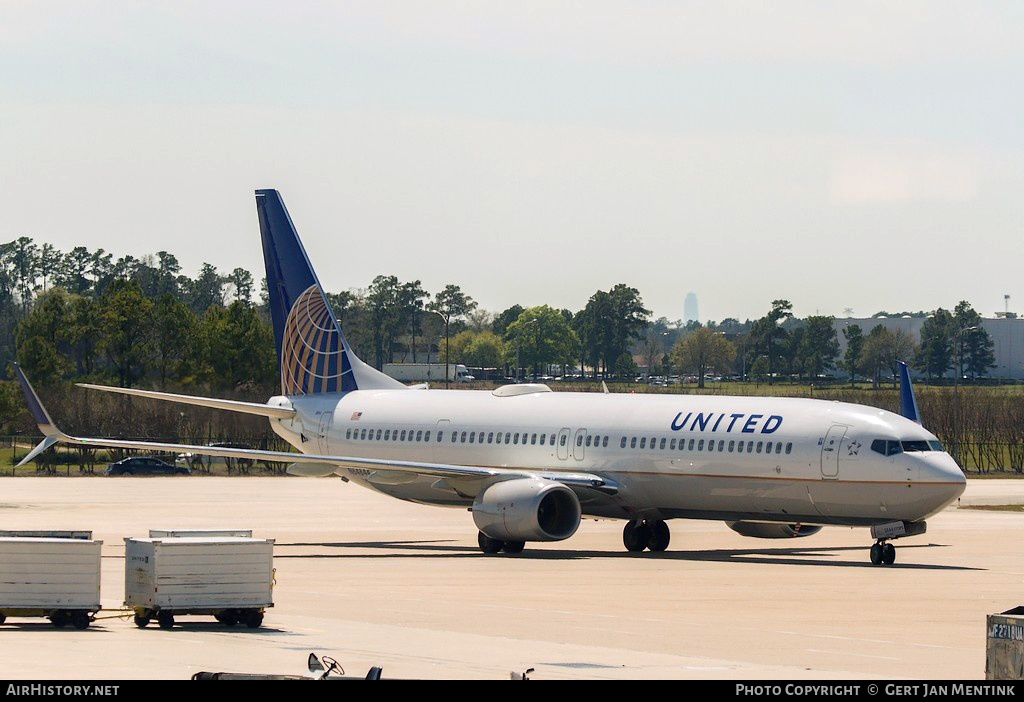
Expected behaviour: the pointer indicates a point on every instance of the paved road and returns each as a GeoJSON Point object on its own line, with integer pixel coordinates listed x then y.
{"type": "Point", "coordinates": [373, 581]}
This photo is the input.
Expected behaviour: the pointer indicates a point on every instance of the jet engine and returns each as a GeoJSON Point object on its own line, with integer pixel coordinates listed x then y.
{"type": "Point", "coordinates": [527, 509]}
{"type": "Point", "coordinates": [760, 530]}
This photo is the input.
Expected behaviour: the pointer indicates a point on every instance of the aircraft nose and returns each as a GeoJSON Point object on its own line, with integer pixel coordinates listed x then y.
{"type": "Point", "coordinates": [942, 470]}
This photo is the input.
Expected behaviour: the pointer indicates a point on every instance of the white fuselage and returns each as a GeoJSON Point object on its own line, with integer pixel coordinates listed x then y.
{"type": "Point", "coordinates": [711, 457]}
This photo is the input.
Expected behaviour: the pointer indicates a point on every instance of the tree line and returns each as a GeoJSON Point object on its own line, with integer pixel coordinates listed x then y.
{"type": "Point", "coordinates": [85, 315]}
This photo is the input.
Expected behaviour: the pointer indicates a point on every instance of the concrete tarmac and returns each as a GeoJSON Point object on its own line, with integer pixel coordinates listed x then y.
{"type": "Point", "coordinates": [371, 581]}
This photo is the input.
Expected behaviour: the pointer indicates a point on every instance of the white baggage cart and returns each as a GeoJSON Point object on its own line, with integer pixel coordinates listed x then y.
{"type": "Point", "coordinates": [56, 576]}
{"type": "Point", "coordinates": [230, 578]}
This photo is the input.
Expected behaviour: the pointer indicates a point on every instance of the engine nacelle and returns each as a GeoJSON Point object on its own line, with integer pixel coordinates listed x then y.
{"type": "Point", "coordinates": [760, 530]}
{"type": "Point", "coordinates": [527, 509]}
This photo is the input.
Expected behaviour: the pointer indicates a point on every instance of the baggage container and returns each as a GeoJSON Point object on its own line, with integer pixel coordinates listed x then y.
{"type": "Point", "coordinates": [164, 533]}
{"type": "Point", "coordinates": [56, 578]}
{"type": "Point", "coordinates": [230, 578]}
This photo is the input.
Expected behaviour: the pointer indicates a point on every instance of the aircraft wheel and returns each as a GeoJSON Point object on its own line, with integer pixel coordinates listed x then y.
{"type": "Point", "coordinates": [487, 544]}
{"type": "Point", "coordinates": [660, 535]}
{"type": "Point", "coordinates": [514, 546]}
{"type": "Point", "coordinates": [876, 554]}
{"type": "Point", "coordinates": [888, 554]}
{"type": "Point", "coordinates": [635, 536]}
{"type": "Point", "coordinates": [80, 619]}
{"type": "Point", "coordinates": [165, 619]}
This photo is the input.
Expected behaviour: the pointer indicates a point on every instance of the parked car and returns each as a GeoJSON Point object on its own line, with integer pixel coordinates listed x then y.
{"type": "Point", "coordinates": [145, 465]}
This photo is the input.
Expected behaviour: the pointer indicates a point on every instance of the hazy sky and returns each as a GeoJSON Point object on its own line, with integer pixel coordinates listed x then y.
{"type": "Point", "coordinates": [836, 154]}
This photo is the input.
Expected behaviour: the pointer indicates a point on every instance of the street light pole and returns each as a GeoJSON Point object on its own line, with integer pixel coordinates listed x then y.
{"type": "Point", "coordinates": [956, 398]}
{"type": "Point", "coordinates": [445, 317]}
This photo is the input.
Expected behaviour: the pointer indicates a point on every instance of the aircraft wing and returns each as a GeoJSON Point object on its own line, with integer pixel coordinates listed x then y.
{"type": "Point", "coordinates": [305, 464]}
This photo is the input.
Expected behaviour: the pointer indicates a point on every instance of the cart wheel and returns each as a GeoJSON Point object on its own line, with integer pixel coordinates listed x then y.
{"type": "Point", "coordinates": [3, 617]}
{"type": "Point", "coordinates": [80, 619]}
{"type": "Point", "coordinates": [253, 618]}
{"type": "Point", "coordinates": [165, 619]}
{"type": "Point", "coordinates": [141, 621]}
{"type": "Point", "coordinates": [59, 618]}
{"type": "Point", "coordinates": [228, 617]}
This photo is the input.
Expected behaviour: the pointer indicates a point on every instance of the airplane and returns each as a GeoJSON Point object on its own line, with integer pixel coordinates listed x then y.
{"type": "Point", "coordinates": [530, 463]}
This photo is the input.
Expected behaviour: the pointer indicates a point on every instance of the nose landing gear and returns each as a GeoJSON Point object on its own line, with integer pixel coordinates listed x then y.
{"type": "Point", "coordinates": [882, 552]}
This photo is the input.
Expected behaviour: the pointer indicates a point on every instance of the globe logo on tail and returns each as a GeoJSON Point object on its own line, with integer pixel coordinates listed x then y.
{"type": "Point", "coordinates": [312, 351]}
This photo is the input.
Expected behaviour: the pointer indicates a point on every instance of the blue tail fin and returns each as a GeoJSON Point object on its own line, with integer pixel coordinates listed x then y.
{"type": "Point", "coordinates": [908, 404]}
{"type": "Point", "coordinates": [312, 353]}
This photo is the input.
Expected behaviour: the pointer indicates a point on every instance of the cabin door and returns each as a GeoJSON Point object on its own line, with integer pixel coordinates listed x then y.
{"type": "Point", "coordinates": [830, 451]}
{"type": "Point", "coordinates": [563, 443]}
{"type": "Point", "coordinates": [323, 430]}
{"type": "Point", "coordinates": [440, 439]}
{"type": "Point", "coordinates": [579, 444]}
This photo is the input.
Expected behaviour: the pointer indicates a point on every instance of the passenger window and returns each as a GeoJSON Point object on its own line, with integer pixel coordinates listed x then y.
{"type": "Point", "coordinates": [508, 437]}
{"type": "Point", "coordinates": [691, 444]}
{"type": "Point", "coordinates": [732, 445]}
{"type": "Point", "coordinates": [552, 439]}
{"type": "Point", "coordinates": [672, 445]}
{"type": "Point", "coordinates": [515, 438]}
{"type": "Point", "coordinates": [455, 435]}
{"type": "Point", "coordinates": [721, 444]}
{"type": "Point", "coordinates": [643, 441]}
{"type": "Point", "coordinates": [654, 440]}
{"type": "Point", "coordinates": [604, 442]}
{"type": "Point", "coordinates": [472, 435]}
{"type": "Point", "coordinates": [662, 444]}
{"type": "Point", "coordinates": [348, 434]}
{"type": "Point", "coordinates": [462, 439]}
{"type": "Point", "coordinates": [387, 435]}
{"type": "Point", "coordinates": [490, 437]}
{"type": "Point", "coordinates": [789, 447]}
{"type": "Point", "coordinates": [426, 436]}
{"type": "Point", "coordinates": [622, 444]}
{"type": "Point", "coordinates": [403, 435]}
{"type": "Point", "coordinates": [419, 435]}
{"type": "Point", "coordinates": [533, 439]}
{"type": "Point", "coordinates": [778, 448]}
{"type": "Point", "coordinates": [750, 447]}
{"type": "Point", "coordinates": [562, 441]}
{"type": "Point", "coordinates": [700, 445]}
{"type": "Point", "coordinates": [759, 447]}
{"type": "Point", "coordinates": [768, 447]}
{"type": "Point", "coordinates": [542, 437]}
{"type": "Point", "coordinates": [362, 435]}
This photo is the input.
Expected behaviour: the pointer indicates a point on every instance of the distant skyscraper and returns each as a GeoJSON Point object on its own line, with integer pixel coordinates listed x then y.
{"type": "Point", "coordinates": [690, 308]}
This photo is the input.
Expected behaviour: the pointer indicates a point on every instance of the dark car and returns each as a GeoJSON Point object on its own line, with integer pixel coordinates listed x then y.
{"type": "Point", "coordinates": [145, 465]}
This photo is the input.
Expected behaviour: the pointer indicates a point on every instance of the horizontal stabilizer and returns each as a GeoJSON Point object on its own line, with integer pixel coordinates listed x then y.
{"type": "Point", "coordinates": [229, 405]}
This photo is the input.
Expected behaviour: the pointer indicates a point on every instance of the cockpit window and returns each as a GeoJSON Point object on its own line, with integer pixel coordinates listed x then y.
{"type": "Point", "coordinates": [886, 447]}
{"type": "Point", "coordinates": [918, 445]}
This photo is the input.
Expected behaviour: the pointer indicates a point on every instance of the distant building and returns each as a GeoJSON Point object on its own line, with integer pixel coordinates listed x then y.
{"type": "Point", "coordinates": [1007, 335]}
{"type": "Point", "coordinates": [690, 313]}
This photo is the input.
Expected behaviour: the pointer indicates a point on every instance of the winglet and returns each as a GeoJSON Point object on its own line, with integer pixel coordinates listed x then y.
{"type": "Point", "coordinates": [908, 404]}
{"type": "Point", "coordinates": [39, 413]}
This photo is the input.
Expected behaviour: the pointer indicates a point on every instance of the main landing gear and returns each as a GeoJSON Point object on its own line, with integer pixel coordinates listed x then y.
{"type": "Point", "coordinates": [883, 552]}
{"type": "Point", "coordinates": [651, 534]}
{"type": "Point", "coordinates": [489, 545]}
